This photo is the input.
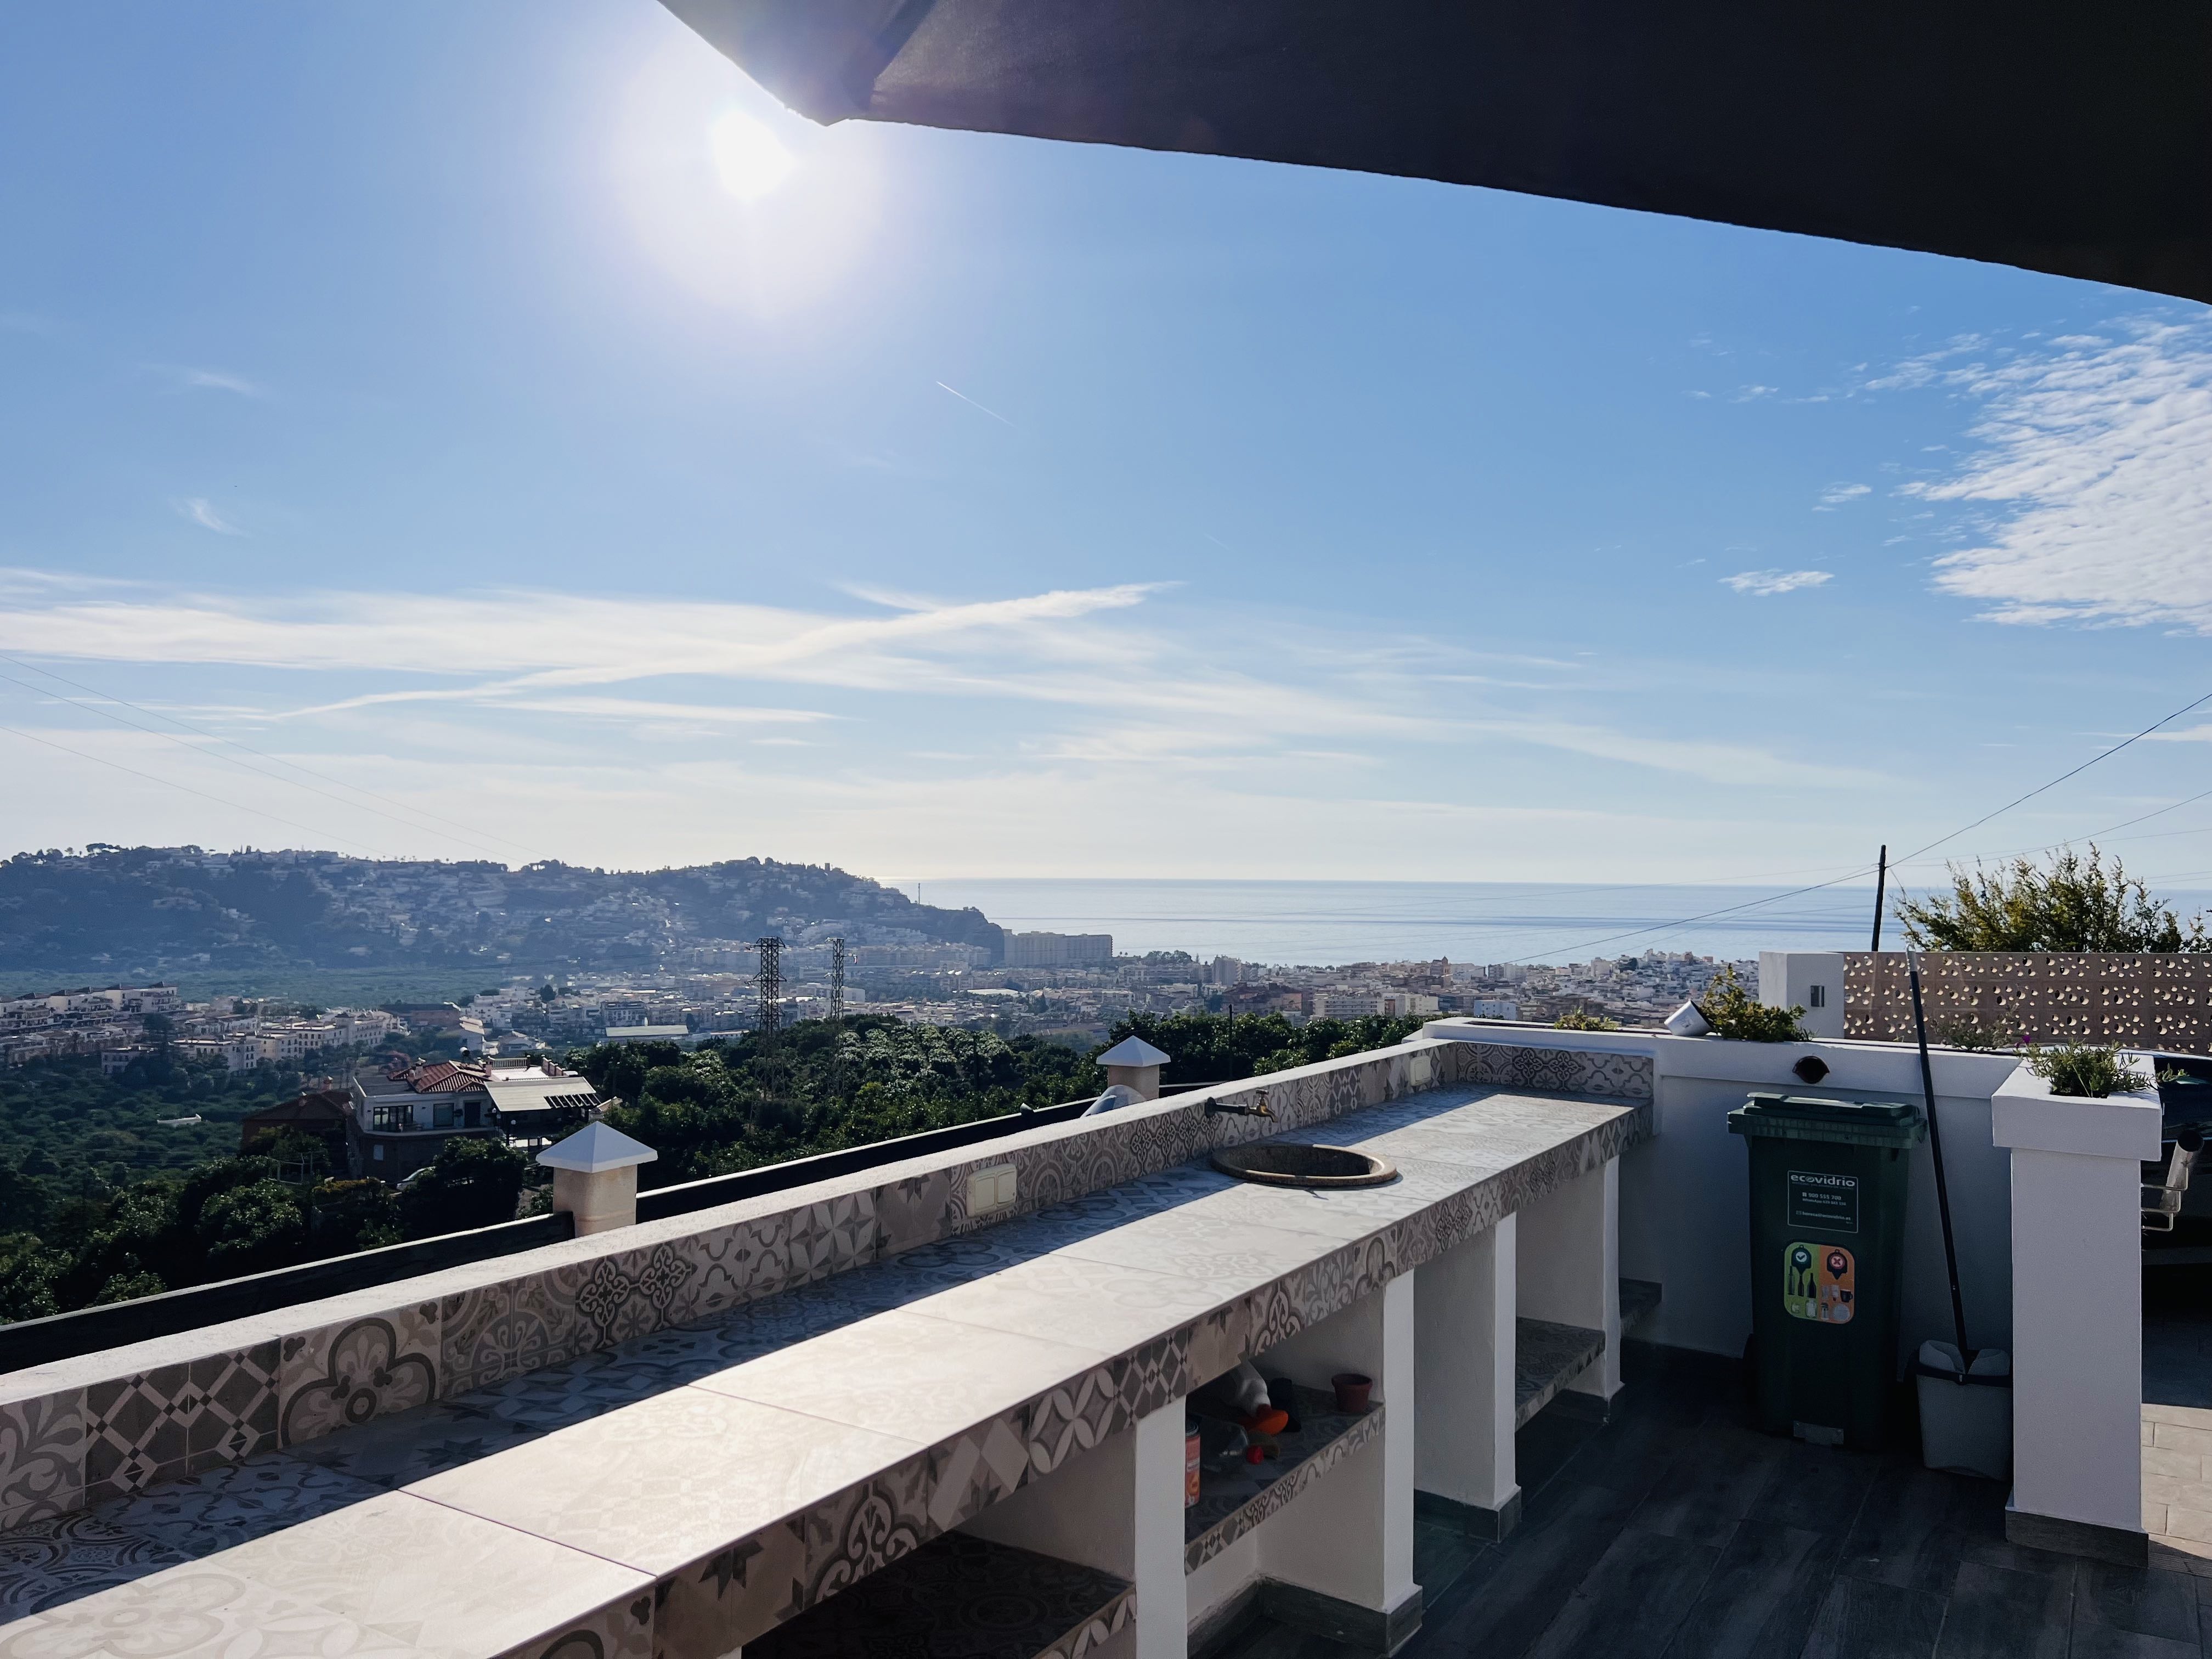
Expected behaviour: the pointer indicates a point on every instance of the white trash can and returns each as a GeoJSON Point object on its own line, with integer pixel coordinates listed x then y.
{"type": "Point", "coordinates": [1965, 1427]}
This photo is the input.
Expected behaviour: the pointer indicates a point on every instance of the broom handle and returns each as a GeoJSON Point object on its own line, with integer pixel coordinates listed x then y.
{"type": "Point", "coordinates": [1936, 1151]}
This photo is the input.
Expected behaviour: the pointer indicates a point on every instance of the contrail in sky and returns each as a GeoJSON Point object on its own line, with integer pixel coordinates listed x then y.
{"type": "Point", "coordinates": [965, 398]}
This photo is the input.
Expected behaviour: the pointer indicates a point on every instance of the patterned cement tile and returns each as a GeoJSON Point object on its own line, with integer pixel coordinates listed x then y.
{"type": "Point", "coordinates": [46, 1563]}
{"type": "Point", "coordinates": [670, 1480]}
{"type": "Point", "coordinates": [235, 1503]}
{"type": "Point", "coordinates": [907, 1374]}
{"type": "Point", "coordinates": [1234, 1256]}
{"type": "Point", "coordinates": [1230, 1505]}
{"type": "Point", "coordinates": [491, 1332]}
{"type": "Point", "coordinates": [163, 1423]}
{"type": "Point", "coordinates": [1065, 1298]}
{"type": "Point", "coordinates": [196, 1611]}
{"type": "Point", "coordinates": [1546, 1356]}
{"type": "Point", "coordinates": [621, 1630]}
{"type": "Point", "coordinates": [41, 1457]}
{"type": "Point", "coordinates": [341, 1376]}
{"type": "Point", "coordinates": [435, 1579]}
{"type": "Point", "coordinates": [396, 1451]}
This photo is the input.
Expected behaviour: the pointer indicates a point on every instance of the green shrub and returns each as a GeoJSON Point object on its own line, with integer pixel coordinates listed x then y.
{"type": "Point", "coordinates": [2077, 904]}
{"type": "Point", "coordinates": [28, 1272]}
{"type": "Point", "coordinates": [128, 1287]}
{"type": "Point", "coordinates": [353, 1215]}
{"type": "Point", "coordinates": [1582, 1019]}
{"type": "Point", "coordinates": [2086, 1069]}
{"type": "Point", "coordinates": [1733, 1012]}
{"type": "Point", "coordinates": [474, 1183]}
{"type": "Point", "coordinates": [251, 1228]}
{"type": "Point", "coordinates": [1986, 1036]}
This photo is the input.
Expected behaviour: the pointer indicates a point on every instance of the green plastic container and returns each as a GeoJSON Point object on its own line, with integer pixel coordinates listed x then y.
{"type": "Point", "coordinates": [1828, 1181]}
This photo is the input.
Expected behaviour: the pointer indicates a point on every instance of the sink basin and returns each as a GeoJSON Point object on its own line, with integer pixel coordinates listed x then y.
{"type": "Point", "coordinates": [1293, 1163]}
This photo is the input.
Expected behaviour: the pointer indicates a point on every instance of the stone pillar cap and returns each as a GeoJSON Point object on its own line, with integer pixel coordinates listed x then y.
{"type": "Point", "coordinates": [596, 1147]}
{"type": "Point", "coordinates": [1132, 1051]}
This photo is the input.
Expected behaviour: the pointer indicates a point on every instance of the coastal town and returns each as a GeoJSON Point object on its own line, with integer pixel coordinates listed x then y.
{"type": "Point", "coordinates": [1068, 987]}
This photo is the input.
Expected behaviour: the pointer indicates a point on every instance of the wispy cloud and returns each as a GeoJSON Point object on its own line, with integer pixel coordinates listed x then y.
{"type": "Point", "coordinates": [1766, 583]}
{"type": "Point", "coordinates": [1168, 688]}
{"type": "Point", "coordinates": [187, 377]}
{"type": "Point", "coordinates": [2091, 495]}
{"type": "Point", "coordinates": [639, 708]}
{"type": "Point", "coordinates": [1836, 494]}
{"type": "Point", "coordinates": [15, 580]}
{"type": "Point", "coordinates": [201, 511]}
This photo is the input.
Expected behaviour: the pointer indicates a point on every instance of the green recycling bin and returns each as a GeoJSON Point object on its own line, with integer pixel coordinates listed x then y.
{"type": "Point", "coordinates": [1828, 1180]}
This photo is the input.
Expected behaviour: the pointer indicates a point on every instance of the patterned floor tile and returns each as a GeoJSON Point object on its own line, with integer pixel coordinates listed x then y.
{"type": "Point", "coordinates": [906, 1374]}
{"type": "Point", "coordinates": [433, 1577]}
{"type": "Point", "coordinates": [672, 1478]}
{"type": "Point", "coordinates": [193, 1610]}
{"type": "Point", "coordinates": [396, 1451]}
{"type": "Point", "coordinates": [45, 1565]}
{"type": "Point", "coordinates": [235, 1503]}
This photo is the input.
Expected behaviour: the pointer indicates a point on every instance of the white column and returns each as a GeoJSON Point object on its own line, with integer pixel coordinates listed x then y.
{"type": "Point", "coordinates": [1463, 1312]}
{"type": "Point", "coordinates": [1163, 1615]}
{"type": "Point", "coordinates": [1569, 1266]}
{"type": "Point", "coordinates": [1351, 1538]}
{"type": "Point", "coordinates": [2076, 1311]}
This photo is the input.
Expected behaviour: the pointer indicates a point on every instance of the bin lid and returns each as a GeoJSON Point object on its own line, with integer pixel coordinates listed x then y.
{"type": "Point", "coordinates": [1810, 1117]}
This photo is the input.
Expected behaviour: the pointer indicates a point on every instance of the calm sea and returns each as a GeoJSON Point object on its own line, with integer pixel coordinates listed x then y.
{"type": "Point", "coordinates": [1333, 921]}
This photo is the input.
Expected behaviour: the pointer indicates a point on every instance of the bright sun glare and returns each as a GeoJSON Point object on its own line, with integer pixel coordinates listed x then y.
{"type": "Point", "coordinates": [752, 160]}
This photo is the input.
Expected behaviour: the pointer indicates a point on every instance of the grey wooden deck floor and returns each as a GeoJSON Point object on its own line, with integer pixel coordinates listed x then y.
{"type": "Point", "coordinates": [1677, 1531]}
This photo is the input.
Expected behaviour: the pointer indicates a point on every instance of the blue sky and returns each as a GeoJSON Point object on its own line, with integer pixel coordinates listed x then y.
{"type": "Point", "coordinates": [402, 392]}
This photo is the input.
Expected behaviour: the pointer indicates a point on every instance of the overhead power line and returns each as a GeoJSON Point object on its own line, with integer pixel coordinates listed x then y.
{"type": "Point", "coordinates": [2076, 772]}
{"type": "Point", "coordinates": [2041, 789]}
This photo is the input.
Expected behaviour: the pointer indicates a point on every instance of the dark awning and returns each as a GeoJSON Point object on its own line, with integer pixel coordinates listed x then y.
{"type": "Point", "coordinates": [2074, 138]}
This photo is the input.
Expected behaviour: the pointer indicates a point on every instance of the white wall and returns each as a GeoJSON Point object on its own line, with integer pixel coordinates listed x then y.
{"type": "Point", "coordinates": [1811, 979]}
{"type": "Point", "coordinates": [2077, 1368]}
{"type": "Point", "coordinates": [1685, 1194]}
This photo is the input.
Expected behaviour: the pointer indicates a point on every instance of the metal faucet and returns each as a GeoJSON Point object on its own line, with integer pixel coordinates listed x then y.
{"type": "Point", "coordinates": [1223, 1108]}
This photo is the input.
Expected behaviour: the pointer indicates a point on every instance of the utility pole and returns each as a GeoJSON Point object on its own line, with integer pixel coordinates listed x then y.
{"type": "Point", "coordinates": [836, 1015]}
{"type": "Point", "coordinates": [768, 988]}
{"type": "Point", "coordinates": [1880, 888]}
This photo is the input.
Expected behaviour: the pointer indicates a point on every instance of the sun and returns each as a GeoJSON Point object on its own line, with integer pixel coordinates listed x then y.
{"type": "Point", "coordinates": [752, 160]}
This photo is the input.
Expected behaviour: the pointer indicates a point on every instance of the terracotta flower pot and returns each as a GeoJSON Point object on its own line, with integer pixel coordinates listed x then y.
{"type": "Point", "coordinates": [1352, 1390]}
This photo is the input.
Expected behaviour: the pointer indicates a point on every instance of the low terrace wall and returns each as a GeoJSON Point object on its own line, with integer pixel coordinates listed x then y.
{"type": "Point", "coordinates": [80, 1431]}
{"type": "Point", "coordinates": [1685, 1194]}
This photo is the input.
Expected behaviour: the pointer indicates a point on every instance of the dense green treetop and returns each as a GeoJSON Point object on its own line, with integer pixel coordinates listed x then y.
{"type": "Point", "coordinates": [1221, 1047]}
{"type": "Point", "coordinates": [2076, 904]}
{"type": "Point", "coordinates": [90, 1231]}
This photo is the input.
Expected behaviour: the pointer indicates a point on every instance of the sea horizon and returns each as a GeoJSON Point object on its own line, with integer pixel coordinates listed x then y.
{"type": "Point", "coordinates": [1324, 923]}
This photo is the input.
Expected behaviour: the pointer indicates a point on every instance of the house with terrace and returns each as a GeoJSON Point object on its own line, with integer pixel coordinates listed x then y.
{"type": "Point", "coordinates": [993, 1398]}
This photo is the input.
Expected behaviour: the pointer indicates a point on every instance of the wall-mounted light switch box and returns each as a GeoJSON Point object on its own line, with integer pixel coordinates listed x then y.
{"type": "Point", "coordinates": [991, 1190]}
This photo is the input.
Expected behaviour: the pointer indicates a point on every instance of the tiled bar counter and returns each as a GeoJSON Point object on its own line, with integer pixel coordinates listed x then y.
{"type": "Point", "coordinates": [687, 1491]}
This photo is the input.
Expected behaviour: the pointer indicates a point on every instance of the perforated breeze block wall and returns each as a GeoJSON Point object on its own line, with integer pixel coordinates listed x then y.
{"type": "Point", "coordinates": [2002, 997]}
